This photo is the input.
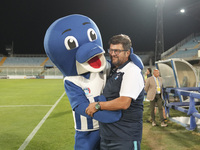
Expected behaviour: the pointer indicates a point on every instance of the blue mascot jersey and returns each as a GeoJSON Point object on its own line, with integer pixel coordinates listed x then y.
{"type": "Point", "coordinates": [78, 87]}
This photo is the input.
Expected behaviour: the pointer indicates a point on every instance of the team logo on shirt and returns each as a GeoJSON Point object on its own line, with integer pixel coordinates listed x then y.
{"type": "Point", "coordinates": [87, 91]}
{"type": "Point", "coordinates": [116, 77]}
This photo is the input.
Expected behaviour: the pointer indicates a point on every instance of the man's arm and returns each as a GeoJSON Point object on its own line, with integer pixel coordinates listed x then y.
{"type": "Point", "coordinates": [146, 88]}
{"type": "Point", "coordinates": [120, 103]}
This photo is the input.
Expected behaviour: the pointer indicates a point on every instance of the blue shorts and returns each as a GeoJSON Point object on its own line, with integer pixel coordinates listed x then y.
{"type": "Point", "coordinates": [119, 145]}
{"type": "Point", "coordinates": [89, 140]}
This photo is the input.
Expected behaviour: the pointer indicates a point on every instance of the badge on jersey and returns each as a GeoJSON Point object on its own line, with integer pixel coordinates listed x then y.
{"type": "Point", "coordinates": [87, 91]}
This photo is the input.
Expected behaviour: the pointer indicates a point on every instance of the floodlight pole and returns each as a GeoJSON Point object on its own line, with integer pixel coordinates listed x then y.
{"type": "Point", "coordinates": [159, 43]}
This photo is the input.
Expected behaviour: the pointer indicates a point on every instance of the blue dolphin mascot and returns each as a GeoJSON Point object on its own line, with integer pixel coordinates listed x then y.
{"type": "Point", "coordinates": [73, 43]}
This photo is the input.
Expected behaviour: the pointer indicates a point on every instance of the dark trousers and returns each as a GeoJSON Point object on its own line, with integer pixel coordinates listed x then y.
{"type": "Point", "coordinates": [157, 100]}
{"type": "Point", "coordinates": [119, 145]}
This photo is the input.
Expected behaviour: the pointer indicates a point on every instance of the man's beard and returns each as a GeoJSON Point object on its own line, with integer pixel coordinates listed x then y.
{"type": "Point", "coordinates": [116, 62]}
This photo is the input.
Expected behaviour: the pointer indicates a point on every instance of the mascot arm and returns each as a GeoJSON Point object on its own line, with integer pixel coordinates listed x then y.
{"type": "Point", "coordinates": [79, 103]}
{"type": "Point", "coordinates": [136, 60]}
{"type": "Point", "coordinates": [77, 98]}
{"type": "Point", "coordinates": [106, 116]}
{"type": "Point", "coordinates": [75, 94]}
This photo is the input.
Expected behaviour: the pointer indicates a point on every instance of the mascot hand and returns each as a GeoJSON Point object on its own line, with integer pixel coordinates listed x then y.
{"type": "Point", "coordinates": [80, 109]}
{"type": "Point", "coordinates": [106, 116]}
{"type": "Point", "coordinates": [100, 98]}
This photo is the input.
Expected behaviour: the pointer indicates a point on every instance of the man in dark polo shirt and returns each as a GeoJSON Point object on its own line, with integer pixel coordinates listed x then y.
{"type": "Point", "coordinates": [124, 90]}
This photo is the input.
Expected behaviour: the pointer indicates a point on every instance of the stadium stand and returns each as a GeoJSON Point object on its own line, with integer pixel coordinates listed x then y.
{"type": "Point", "coordinates": [190, 44]}
{"type": "Point", "coordinates": [186, 49]}
{"type": "Point", "coordinates": [39, 66]}
{"type": "Point", "coordinates": [24, 61]}
{"type": "Point", "coordinates": [29, 66]}
{"type": "Point", "coordinates": [2, 60]}
{"type": "Point", "coordinates": [189, 53]}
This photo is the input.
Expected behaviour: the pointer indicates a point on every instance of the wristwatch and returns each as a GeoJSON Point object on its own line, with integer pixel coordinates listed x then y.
{"type": "Point", "coordinates": [98, 106]}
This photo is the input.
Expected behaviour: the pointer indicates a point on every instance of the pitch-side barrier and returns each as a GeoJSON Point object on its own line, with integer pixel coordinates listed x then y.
{"type": "Point", "coordinates": [186, 107]}
{"type": "Point", "coordinates": [180, 88]}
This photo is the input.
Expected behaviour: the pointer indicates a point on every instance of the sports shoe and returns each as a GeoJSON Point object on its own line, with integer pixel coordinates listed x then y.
{"type": "Point", "coordinates": [153, 123]}
{"type": "Point", "coordinates": [163, 124]}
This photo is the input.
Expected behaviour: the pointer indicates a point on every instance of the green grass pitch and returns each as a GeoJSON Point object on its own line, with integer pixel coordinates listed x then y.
{"type": "Point", "coordinates": [24, 103]}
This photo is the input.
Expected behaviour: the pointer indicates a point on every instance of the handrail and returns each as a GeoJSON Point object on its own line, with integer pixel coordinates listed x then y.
{"type": "Point", "coordinates": [187, 91]}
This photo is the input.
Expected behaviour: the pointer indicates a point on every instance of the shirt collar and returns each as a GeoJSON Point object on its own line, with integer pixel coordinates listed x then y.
{"type": "Point", "coordinates": [155, 77]}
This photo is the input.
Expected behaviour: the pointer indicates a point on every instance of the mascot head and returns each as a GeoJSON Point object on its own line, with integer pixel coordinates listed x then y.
{"type": "Point", "coordinates": [74, 45]}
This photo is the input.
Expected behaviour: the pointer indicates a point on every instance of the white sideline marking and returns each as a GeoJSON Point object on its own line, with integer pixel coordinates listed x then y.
{"type": "Point", "coordinates": [29, 138]}
{"type": "Point", "coordinates": [24, 105]}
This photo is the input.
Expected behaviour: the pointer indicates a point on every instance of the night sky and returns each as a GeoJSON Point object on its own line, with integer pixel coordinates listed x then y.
{"type": "Point", "coordinates": [25, 21]}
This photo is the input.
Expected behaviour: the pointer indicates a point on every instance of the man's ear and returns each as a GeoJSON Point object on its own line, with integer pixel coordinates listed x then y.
{"type": "Point", "coordinates": [128, 53]}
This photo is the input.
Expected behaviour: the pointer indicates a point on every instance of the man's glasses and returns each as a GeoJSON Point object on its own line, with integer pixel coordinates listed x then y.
{"type": "Point", "coordinates": [116, 51]}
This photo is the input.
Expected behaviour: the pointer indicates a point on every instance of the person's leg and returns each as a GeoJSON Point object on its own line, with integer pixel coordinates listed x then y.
{"type": "Point", "coordinates": [89, 140]}
{"type": "Point", "coordinates": [104, 144]}
{"type": "Point", "coordinates": [152, 107]}
{"type": "Point", "coordinates": [160, 107]}
{"type": "Point", "coordinates": [155, 110]}
{"type": "Point", "coordinates": [164, 115]}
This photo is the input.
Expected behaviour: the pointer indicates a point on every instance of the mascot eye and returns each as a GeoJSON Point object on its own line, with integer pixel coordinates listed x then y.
{"type": "Point", "coordinates": [91, 34]}
{"type": "Point", "coordinates": [71, 43]}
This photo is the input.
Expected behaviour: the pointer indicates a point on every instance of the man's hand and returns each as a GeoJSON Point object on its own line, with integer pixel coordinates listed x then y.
{"type": "Point", "coordinates": [90, 110]}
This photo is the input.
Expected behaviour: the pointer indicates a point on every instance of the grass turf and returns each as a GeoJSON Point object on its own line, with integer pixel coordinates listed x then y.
{"type": "Point", "coordinates": [36, 97]}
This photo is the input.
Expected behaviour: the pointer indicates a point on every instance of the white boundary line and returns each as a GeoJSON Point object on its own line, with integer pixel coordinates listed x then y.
{"type": "Point", "coordinates": [2, 106]}
{"type": "Point", "coordinates": [31, 135]}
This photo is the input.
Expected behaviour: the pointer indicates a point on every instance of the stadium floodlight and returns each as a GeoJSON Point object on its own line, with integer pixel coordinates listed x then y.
{"type": "Point", "coordinates": [182, 11]}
